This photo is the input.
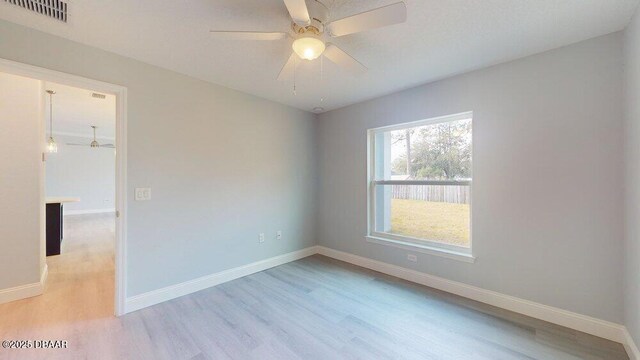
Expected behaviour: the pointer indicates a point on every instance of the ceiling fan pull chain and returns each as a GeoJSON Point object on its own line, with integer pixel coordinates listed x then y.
{"type": "Point", "coordinates": [294, 77]}
{"type": "Point", "coordinates": [321, 77]}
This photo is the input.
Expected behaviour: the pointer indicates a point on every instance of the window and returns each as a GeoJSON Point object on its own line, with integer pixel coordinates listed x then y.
{"type": "Point", "coordinates": [420, 185]}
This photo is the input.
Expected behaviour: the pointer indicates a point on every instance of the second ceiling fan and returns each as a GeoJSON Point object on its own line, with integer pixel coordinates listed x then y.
{"type": "Point", "coordinates": [311, 28]}
{"type": "Point", "coordinates": [94, 143]}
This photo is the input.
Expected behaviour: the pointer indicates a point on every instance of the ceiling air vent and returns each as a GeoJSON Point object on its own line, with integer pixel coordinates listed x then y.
{"type": "Point", "coordinates": [99, 96]}
{"type": "Point", "coordinates": [54, 9]}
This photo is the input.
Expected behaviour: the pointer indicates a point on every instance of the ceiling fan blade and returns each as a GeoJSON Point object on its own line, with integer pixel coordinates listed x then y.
{"type": "Point", "coordinates": [74, 144]}
{"type": "Point", "coordinates": [110, 146]}
{"type": "Point", "coordinates": [341, 58]}
{"type": "Point", "coordinates": [248, 35]}
{"type": "Point", "coordinates": [298, 11]}
{"type": "Point", "coordinates": [287, 69]}
{"type": "Point", "coordinates": [372, 19]}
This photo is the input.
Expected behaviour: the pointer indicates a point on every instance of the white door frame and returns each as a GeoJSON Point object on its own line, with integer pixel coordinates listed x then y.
{"type": "Point", "coordinates": [120, 92]}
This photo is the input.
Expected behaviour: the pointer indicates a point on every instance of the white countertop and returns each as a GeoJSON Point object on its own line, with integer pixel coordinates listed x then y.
{"type": "Point", "coordinates": [61, 199]}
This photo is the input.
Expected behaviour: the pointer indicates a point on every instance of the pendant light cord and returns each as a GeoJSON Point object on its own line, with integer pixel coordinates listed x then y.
{"type": "Point", "coordinates": [51, 115]}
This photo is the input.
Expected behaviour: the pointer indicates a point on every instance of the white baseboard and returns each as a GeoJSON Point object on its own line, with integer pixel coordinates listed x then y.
{"type": "Point", "coordinates": [25, 291]}
{"type": "Point", "coordinates": [630, 346]}
{"type": "Point", "coordinates": [88, 211]}
{"type": "Point", "coordinates": [171, 292]}
{"type": "Point", "coordinates": [44, 276]}
{"type": "Point", "coordinates": [586, 324]}
{"type": "Point", "coordinates": [604, 329]}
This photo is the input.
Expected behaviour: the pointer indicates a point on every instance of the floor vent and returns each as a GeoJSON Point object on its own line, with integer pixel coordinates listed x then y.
{"type": "Point", "coordinates": [54, 9]}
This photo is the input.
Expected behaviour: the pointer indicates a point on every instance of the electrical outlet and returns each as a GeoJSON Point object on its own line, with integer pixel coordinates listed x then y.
{"type": "Point", "coordinates": [261, 238]}
{"type": "Point", "coordinates": [412, 258]}
{"type": "Point", "coordinates": [279, 235]}
{"type": "Point", "coordinates": [142, 194]}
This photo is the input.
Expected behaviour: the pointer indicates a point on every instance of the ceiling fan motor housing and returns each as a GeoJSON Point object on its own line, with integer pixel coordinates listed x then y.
{"type": "Point", "coordinates": [319, 14]}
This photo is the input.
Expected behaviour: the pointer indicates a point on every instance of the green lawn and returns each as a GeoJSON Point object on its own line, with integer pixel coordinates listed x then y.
{"type": "Point", "coordinates": [437, 221]}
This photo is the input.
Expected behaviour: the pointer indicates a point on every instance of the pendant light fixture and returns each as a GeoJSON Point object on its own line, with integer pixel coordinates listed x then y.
{"type": "Point", "coordinates": [52, 147]}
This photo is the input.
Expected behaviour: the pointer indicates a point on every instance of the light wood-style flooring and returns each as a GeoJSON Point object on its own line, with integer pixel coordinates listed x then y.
{"type": "Point", "coordinates": [314, 308]}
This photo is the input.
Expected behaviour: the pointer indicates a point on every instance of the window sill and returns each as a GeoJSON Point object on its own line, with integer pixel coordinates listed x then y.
{"type": "Point", "coordinates": [426, 249]}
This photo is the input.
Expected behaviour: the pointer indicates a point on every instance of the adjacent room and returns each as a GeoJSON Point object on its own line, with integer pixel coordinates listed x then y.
{"type": "Point", "coordinates": [80, 194]}
{"type": "Point", "coordinates": [320, 179]}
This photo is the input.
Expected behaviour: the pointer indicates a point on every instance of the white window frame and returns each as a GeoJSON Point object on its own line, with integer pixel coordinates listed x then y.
{"type": "Point", "coordinates": [405, 242]}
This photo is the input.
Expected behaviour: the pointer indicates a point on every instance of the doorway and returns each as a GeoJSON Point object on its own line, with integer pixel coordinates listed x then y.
{"type": "Point", "coordinates": [106, 203]}
{"type": "Point", "coordinates": [80, 195]}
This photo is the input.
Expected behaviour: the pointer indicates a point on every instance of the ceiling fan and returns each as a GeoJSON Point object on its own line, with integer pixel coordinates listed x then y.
{"type": "Point", "coordinates": [94, 143]}
{"type": "Point", "coordinates": [311, 28]}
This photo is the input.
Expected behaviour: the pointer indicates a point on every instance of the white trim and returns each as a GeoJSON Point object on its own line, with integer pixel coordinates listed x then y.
{"type": "Point", "coordinates": [120, 92]}
{"type": "Point", "coordinates": [607, 330]}
{"type": "Point", "coordinates": [25, 291]}
{"type": "Point", "coordinates": [174, 291]}
{"type": "Point", "coordinates": [423, 245]}
{"type": "Point", "coordinates": [431, 121]}
{"type": "Point", "coordinates": [425, 249]}
{"type": "Point", "coordinates": [121, 202]}
{"type": "Point", "coordinates": [20, 292]}
{"type": "Point", "coordinates": [630, 346]}
{"type": "Point", "coordinates": [424, 182]}
{"type": "Point", "coordinates": [586, 324]}
{"type": "Point", "coordinates": [88, 211]}
{"type": "Point", "coordinates": [44, 276]}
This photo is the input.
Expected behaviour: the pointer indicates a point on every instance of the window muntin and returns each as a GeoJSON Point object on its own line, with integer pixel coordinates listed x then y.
{"type": "Point", "coordinates": [425, 200]}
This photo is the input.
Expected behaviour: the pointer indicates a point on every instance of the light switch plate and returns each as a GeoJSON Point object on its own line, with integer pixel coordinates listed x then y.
{"type": "Point", "coordinates": [143, 194]}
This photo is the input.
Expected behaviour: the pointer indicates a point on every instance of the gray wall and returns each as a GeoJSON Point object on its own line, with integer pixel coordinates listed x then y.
{"type": "Point", "coordinates": [547, 197]}
{"type": "Point", "coordinates": [632, 178]}
{"type": "Point", "coordinates": [22, 142]}
{"type": "Point", "coordinates": [84, 172]}
{"type": "Point", "coordinates": [223, 166]}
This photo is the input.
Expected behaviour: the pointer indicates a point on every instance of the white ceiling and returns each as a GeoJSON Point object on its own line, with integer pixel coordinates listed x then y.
{"type": "Point", "coordinates": [440, 38]}
{"type": "Point", "coordinates": [75, 111]}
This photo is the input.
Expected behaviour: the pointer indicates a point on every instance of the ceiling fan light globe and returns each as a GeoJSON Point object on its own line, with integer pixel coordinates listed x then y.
{"type": "Point", "coordinates": [94, 144]}
{"type": "Point", "coordinates": [308, 48]}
